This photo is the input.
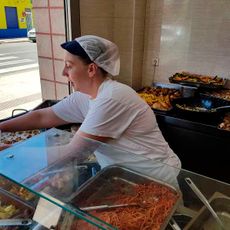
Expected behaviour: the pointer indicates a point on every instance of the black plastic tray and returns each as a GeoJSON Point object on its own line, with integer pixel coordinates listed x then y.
{"type": "Point", "coordinates": [212, 94]}
{"type": "Point", "coordinates": [203, 101]}
{"type": "Point", "coordinates": [197, 84]}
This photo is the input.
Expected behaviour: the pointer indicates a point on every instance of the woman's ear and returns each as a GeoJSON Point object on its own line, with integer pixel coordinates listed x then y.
{"type": "Point", "coordinates": [92, 69]}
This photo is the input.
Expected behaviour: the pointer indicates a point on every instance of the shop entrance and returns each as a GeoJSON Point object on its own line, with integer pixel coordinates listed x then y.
{"type": "Point", "coordinates": [11, 17]}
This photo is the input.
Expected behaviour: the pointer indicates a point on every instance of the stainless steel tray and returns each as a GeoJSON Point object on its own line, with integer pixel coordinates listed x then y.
{"type": "Point", "coordinates": [14, 190]}
{"type": "Point", "coordinates": [97, 190]}
{"type": "Point", "coordinates": [24, 210]}
{"type": "Point", "coordinates": [204, 220]}
{"type": "Point", "coordinates": [186, 91]}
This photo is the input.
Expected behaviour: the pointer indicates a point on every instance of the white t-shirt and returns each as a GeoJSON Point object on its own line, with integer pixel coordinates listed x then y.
{"type": "Point", "coordinates": [118, 112]}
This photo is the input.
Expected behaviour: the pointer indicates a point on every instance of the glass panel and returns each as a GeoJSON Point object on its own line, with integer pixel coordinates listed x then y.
{"type": "Point", "coordinates": [36, 164]}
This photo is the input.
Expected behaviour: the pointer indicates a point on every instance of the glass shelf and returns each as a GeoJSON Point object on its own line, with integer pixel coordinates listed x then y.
{"type": "Point", "coordinates": [39, 165]}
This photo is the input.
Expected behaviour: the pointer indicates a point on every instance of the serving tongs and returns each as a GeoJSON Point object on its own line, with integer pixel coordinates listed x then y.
{"type": "Point", "coordinates": [15, 222]}
{"type": "Point", "coordinates": [218, 109]}
{"type": "Point", "coordinates": [173, 224]}
{"type": "Point", "coordinates": [204, 201]}
{"type": "Point", "coordinates": [105, 206]}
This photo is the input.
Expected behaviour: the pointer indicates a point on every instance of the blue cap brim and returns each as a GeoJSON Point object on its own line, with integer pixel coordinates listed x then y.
{"type": "Point", "coordinates": [74, 48]}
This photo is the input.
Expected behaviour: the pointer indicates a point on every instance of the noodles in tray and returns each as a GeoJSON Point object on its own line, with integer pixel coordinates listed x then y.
{"type": "Point", "coordinates": [156, 202]}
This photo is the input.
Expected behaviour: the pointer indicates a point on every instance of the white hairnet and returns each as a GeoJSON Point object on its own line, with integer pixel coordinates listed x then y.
{"type": "Point", "coordinates": [102, 52]}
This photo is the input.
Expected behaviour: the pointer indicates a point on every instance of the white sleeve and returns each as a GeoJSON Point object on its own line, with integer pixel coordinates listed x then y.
{"type": "Point", "coordinates": [73, 108]}
{"type": "Point", "coordinates": [108, 118]}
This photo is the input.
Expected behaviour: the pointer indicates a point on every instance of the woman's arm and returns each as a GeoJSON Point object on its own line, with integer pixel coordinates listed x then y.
{"type": "Point", "coordinates": [42, 118]}
{"type": "Point", "coordinates": [80, 148]}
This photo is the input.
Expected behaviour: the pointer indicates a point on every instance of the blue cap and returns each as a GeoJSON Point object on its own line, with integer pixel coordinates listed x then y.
{"type": "Point", "coordinates": [75, 48]}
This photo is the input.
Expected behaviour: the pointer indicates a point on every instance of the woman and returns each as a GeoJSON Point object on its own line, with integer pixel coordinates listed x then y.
{"type": "Point", "coordinates": [109, 111]}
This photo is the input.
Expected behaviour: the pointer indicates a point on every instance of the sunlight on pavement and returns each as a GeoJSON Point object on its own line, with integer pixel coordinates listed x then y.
{"type": "Point", "coordinates": [20, 90]}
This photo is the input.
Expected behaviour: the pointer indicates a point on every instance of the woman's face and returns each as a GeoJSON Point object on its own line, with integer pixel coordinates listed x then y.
{"type": "Point", "coordinates": [77, 72]}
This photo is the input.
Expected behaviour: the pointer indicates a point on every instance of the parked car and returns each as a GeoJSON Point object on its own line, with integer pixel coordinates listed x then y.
{"type": "Point", "coordinates": [31, 34]}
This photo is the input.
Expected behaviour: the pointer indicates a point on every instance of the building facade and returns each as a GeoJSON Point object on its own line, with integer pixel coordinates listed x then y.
{"type": "Point", "coordinates": [16, 18]}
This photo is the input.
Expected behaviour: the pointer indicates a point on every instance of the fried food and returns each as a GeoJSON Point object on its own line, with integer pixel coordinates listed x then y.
{"type": "Point", "coordinates": [7, 211]}
{"type": "Point", "coordinates": [22, 192]}
{"type": "Point", "coordinates": [13, 137]}
{"type": "Point", "coordinates": [225, 124]}
{"type": "Point", "coordinates": [197, 78]}
{"type": "Point", "coordinates": [222, 94]}
{"type": "Point", "coordinates": [159, 98]}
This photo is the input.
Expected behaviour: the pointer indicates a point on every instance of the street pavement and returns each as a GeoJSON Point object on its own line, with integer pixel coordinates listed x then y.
{"type": "Point", "coordinates": [13, 40]}
{"type": "Point", "coordinates": [19, 90]}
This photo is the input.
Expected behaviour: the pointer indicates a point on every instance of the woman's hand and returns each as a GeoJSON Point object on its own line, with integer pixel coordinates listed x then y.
{"type": "Point", "coordinates": [4, 146]}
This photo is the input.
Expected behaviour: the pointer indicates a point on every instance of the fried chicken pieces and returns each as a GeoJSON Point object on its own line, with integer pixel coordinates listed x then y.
{"type": "Point", "coordinates": [159, 98]}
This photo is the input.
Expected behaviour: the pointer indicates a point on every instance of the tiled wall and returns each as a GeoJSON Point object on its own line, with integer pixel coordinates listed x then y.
{"type": "Point", "coordinates": [121, 22]}
{"type": "Point", "coordinates": [190, 35]}
{"type": "Point", "coordinates": [50, 32]}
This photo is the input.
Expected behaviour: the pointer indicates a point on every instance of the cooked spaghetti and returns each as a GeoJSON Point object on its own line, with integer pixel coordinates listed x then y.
{"type": "Point", "coordinates": [156, 202]}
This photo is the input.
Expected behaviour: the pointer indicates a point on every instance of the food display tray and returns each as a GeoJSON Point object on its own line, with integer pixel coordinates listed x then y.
{"type": "Point", "coordinates": [204, 219]}
{"type": "Point", "coordinates": [24, 210]}
{"type": "Point", "coordinates": [160, 95]}
{"type": "Point", "coordinates": [18, 192]}
{"type": "Point", "coordinates": [197, 84]}
{"type": "Point", "coordinates": [105, 184]}
{"type": "Point", "coordinates": [206, 103]}
{"type": "Point", "coordinates": [222, 94]}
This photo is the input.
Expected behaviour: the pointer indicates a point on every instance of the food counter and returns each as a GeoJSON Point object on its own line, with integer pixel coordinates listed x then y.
{"type": "Point", "coordinates": [34, 173]}
{"type": "Point", "coordinates": [197, 138]}
{"type": "Point", "coordinates": [197, 133]}
{"type": "Point", "coordinates": [200, 144]}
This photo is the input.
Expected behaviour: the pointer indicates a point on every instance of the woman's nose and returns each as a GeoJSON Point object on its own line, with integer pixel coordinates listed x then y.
{"type": "Point", "coordinates": [64, 73]}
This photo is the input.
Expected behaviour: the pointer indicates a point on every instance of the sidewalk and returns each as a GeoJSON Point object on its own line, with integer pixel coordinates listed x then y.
{"type": "Point", "coordinates": [19, 90]}
{"type": "Point", "coordinates": [13, 40]}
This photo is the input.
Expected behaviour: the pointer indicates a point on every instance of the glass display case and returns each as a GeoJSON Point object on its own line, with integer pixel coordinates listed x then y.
{"type": "Point", "coordinates": [53, 189]}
